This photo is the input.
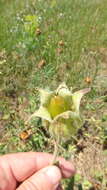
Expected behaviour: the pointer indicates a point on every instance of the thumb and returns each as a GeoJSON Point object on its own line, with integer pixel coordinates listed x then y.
{"type": "Point", "coordinates": [45, 179]}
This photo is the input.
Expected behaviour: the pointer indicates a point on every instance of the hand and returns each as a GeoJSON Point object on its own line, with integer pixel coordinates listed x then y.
{"type": "Point", "coordinates": [32, 171]}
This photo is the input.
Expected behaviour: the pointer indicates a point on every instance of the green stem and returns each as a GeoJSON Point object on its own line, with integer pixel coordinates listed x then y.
{"type": "Point", "coordinates": [55, 154]}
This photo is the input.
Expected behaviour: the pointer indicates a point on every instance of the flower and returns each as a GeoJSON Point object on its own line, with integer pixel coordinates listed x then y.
{"type": "Point", "coordinates": [60, 110]}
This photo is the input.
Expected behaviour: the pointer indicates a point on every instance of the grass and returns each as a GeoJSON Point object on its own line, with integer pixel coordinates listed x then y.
{"type": "Point", "coordinates": [43, 43]}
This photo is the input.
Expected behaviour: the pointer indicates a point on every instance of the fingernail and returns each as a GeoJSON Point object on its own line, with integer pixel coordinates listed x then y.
{"type": "Point", "coordinates": [54, 175]}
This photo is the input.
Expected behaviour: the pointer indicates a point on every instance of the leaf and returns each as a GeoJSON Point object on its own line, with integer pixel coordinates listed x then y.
{"type": "Point", "coordinates": [31, 18]}
{"type": "Point", "coordinates": [53, 3]}
{"type": "Point", "coordinates": [31, 23]}
{"type": "Point", "coordinates": [86, 184]}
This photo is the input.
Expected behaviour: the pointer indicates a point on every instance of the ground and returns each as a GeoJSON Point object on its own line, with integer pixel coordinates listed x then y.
{"type": "Point", "coordinates": [42, 44]}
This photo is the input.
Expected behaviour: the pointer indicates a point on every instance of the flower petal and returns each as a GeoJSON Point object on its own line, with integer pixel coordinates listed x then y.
{"type": "Point", "coordinates": [45, 96]}
{"type": "Point", "coordinates": [66, 115]}
{"type": "Point", "coordinates": [65, 125]}
{"type": "Point", "coordinates": [76, 98]}
{"type": "Point", "coordinates": [63, 90]}
{"type": "Point", "coordinates": [42, 113]}
{"type": "Point", "coordinates": [58, 105]}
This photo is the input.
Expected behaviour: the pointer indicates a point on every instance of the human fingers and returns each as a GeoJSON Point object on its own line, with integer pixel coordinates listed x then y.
{"type": "Point", "coordinates": [17, 167]}
{"type": "Point", "coordinates": [46, 179]}
{"type": "Point", "coordinates": [25, 164]}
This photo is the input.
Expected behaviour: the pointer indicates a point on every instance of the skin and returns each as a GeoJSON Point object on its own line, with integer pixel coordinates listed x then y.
{"type": "Point", "coordinates": [32, 171]}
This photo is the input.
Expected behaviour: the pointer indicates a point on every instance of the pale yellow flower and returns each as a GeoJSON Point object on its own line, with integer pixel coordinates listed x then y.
{"type": "Point", "coordinates": [60, 110]}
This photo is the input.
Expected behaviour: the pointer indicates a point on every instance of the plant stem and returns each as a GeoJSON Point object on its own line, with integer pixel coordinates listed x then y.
{"type": "Point", "coordinates": [55, 154]}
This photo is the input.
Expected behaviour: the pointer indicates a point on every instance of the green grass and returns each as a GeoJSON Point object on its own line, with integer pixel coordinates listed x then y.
{"type": "Point", "coordinates": [82, 27]}
{"type": "Point", "coordinates": [80, 24]}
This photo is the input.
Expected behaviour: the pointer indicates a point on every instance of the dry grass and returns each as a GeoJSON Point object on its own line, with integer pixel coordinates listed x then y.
{"type": "Point", "coordinates": [91, 163]}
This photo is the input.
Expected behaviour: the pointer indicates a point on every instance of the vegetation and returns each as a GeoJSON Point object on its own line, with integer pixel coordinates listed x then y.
{"type": "Point", "coordinates": [42, 44]}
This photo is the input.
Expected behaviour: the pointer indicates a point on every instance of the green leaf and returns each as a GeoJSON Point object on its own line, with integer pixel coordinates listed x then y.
{"type": "Point", "coordinates": [31, 23]}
